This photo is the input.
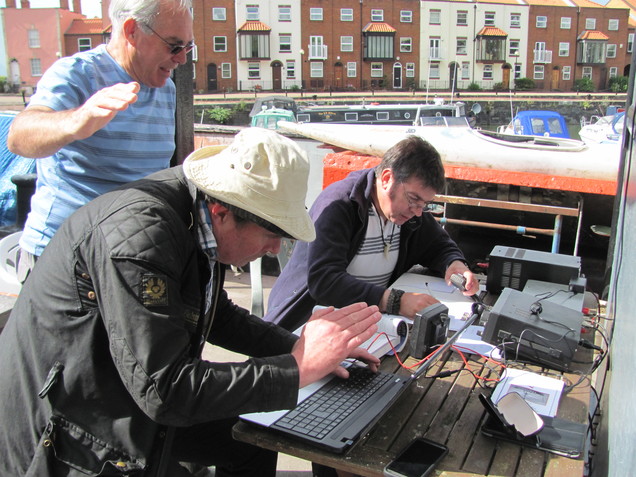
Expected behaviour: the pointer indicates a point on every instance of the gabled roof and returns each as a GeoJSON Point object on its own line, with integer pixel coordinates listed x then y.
{"type": "Point", "coordinates": [254, 25]}
{"type": "Point", "coordinates": [86, 26]}
{"type": "Point", "coordinates": [492, 31]}
{"type": "Point", "coordinates": [565, 3]}
{"type": "Point", "coordinates": [593, 35]}
{"type": "Point", "coordinates": [625, 4]}
{"type": "Point", "coordinates": [378, 27]}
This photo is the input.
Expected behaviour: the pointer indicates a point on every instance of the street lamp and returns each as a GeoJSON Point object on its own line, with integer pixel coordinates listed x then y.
{"type": "Point", "coordinates": [302, 55]}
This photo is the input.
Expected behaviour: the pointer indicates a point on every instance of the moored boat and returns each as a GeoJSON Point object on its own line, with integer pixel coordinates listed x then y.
{"type": "Point", "coordinates": [566, 164]}
{"type": "Point", "coordinates": [605, 129]}
{"type": "Point", "coordinates": [376, 113]}
{"type": "Point", "coordinates": [537, 123]}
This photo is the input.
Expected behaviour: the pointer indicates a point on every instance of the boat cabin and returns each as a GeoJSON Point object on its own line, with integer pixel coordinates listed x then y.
{"type": "Point", "coordinates": [538, 123]}
{"type": "Point", "coordinates": [375, 113]}
{"type": "Point", "coordinates": [268, 118]}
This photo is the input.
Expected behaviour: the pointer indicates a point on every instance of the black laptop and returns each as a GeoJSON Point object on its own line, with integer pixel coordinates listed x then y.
{"type": "Point", "coordinates": [334, 412]}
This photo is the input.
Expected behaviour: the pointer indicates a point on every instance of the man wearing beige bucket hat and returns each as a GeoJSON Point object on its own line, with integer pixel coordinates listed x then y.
{"type": "Point", "coordinates": [102, 352]}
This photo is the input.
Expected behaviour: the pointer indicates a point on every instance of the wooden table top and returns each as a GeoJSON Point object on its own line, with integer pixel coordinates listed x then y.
{"type": "Point", "coordinates": [446, 410]}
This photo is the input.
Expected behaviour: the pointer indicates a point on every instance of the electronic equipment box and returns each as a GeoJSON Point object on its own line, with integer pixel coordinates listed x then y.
{"type": "Point", "coordinates": [529, 329]}
{"type": "Point", "coordinates": [511, 267]}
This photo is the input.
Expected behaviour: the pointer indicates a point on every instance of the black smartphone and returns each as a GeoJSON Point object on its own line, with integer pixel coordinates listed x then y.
{"type": "Point", "coordinates": [418, 459]}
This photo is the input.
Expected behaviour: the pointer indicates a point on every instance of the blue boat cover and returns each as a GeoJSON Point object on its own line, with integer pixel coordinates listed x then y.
{"type": "Point", "coordinates": [10, 165]}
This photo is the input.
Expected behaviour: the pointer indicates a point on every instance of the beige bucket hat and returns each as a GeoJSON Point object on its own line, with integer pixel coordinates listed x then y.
{"type": "Point", "coordinates": [261, 172]}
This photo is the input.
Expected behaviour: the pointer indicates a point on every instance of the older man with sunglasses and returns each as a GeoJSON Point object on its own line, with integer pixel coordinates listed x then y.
{"type": "Point", "coordinates": [102, 117]}
{"type": "Point", "coordinates": [371, 227]}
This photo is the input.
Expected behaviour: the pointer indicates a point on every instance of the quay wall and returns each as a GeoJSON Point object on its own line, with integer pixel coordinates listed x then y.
{"type": "Point", "coordinates": [495, 111]}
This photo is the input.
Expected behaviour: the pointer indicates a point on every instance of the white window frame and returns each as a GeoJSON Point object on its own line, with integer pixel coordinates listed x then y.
{"type": "Point", "coordinates": [406, 16]}
{"type": "Point", "coordinates": [630, 42]}
{"type": "Point", "coordinates": [377, 15]}
{"type": "Point", "coordinates": [34, 38]}
{"type": "Point", "coordinates": [226, 70]}
{"type": "Point", "coordinates": [435, 48]}
{"type": "Point", "coordinates": [514, 47]}
{"type": "Point", "coordinates": [36, 66]}
{"type": "Point", "coordinates": [465, 70]}
{"type": "Point", "coordinates": [252, 12]}
{"type": "Point", "coordinates": [462, 16]}
{"type": "Point", "coordinates": [219, 14]}
{"type": "Point", "coordinates": [315, 14]}
{"type": "Point", "coordinates": [564, 48]}
{"type": "Point", "coordinates": [566, 73]}
{"type": "Point", "coordinates": [613, 71]}
{"type": "Point", "coordinates": [316, 69]}
{"type": "Point", "coordinates": [434, 71]}
{"type": "Point", "coordinates": [84, 44]}
{"type": "Point", "coordinates": [590, 23]}
{"type": "Point", "coordinates": [612, 24]}
{"type": "Point", "coordinates": [219, 44]}
{"type": "Point", "coordinates": [566, 23]}
{"type": "Point", "coordinates": [488, 73]}
{"type": "Point", "coordinates": [517, 71]}
{"type": "Point", "coordinates": [346, 43]}
{"type": "Point", "coordinates": [539, 72]}
{"type": "Point", "coordinates": [515, 20]}
{"type": "Point", "coordinates": [409, 71]}
{"type": "Point", "coordinates": [461, 46]}
{"type": "Point", "coordinates": [352, 69]}
{"type": "Point", "coordinates": [406, 44]}
{"type": "Point", "coordinates": [346, 14]}
{"type": "Point", "coordinates": [610, 50]}
{"type": "Point", "coordinates": [377, 70]}
{"type": "Point", "coordinates": [587, 72]}
{"type": "Point", "coordinates": [489, 18]}
{"type": "Point", "coordinates": [284, 13]}
{"type": "Point", "coordinates": [435, 17]}
{"type": "Point", "coordinates": [541, 21]}
{"type": "Point", "coordinates": [290, 68]}
{"type": "Point", "coordinates": [284, 43]}
{"type": "Point", "coordinates": [253, 70]}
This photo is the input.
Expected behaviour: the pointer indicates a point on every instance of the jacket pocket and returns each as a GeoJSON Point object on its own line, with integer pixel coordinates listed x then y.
{"type": "Point", "coordinates": [66, 443]}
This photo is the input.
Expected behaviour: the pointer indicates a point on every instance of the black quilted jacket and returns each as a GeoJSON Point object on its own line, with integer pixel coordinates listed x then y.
{"type": "Point", "coordinates": [102, 331]}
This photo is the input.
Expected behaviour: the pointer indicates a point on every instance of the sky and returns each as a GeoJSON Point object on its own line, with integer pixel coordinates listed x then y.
{"type": "Point", "coordinates": [90, 8]}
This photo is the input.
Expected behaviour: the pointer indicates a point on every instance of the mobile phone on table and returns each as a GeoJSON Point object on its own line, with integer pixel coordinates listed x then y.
{"type": "Point", "coordinates": [418, 459]}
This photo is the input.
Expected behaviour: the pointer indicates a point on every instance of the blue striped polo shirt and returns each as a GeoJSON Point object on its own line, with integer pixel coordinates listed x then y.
{"type": "Point", "coordinates": [137, 142]}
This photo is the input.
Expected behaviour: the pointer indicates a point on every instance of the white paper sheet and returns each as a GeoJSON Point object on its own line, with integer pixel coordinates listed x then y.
{"type": "Point", "coordinates": [542, 393]}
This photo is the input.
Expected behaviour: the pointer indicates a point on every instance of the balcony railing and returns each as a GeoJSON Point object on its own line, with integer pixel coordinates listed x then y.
{"type": "Point", "coordinates": [436, 53]}
{"type": "Point", "coordinates": [542, 56]}
{"type": "Point", "coordinates": [317, 52]}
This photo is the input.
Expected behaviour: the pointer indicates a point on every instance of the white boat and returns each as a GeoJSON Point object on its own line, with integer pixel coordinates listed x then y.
{"type": "Point", "coordinates": [466, 147]}
{"type": "Point", "coordinates": [604, 129]}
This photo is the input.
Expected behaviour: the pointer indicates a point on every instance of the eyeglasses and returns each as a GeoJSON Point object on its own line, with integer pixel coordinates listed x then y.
{"type": "Point", "coordinates": [175, 49]}
{"type": "Point", "coordinates": [417, 203]}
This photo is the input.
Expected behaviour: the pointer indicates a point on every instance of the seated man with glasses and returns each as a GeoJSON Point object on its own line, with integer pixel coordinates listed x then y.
{"type": "Point", "coordinates": [371, 227]}
{"type": "Point", "coordinates": [102, 117]}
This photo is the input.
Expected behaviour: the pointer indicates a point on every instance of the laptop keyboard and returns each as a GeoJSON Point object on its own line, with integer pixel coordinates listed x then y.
{"type": "Point", "coordinates": [320, 413]}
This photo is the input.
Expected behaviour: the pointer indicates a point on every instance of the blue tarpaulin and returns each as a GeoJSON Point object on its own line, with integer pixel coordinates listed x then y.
{"type": "Point", "coordinates": [10, 165]}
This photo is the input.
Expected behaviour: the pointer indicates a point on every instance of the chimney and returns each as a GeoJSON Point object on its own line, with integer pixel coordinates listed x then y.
{"type": "Point", "coordinates": [25, 4]}
{"type": "Point", "coordinates": [77, 6]}
{"type": "Point", "coordinates": [10, 4]}
{"type": "Point", "coordinates": [64, 4]}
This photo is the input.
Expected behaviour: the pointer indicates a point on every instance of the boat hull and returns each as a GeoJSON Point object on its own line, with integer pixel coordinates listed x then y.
{"type": "Point", "coordinates": [564, 164]}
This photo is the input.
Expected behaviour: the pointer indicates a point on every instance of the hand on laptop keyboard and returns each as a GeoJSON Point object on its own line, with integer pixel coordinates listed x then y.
{"type": "Point", "coordinates": [330, 336]}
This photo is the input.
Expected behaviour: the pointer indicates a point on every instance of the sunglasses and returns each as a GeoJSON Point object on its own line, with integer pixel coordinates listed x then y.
{"type": "Point", "coordinates": [175, 49]}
